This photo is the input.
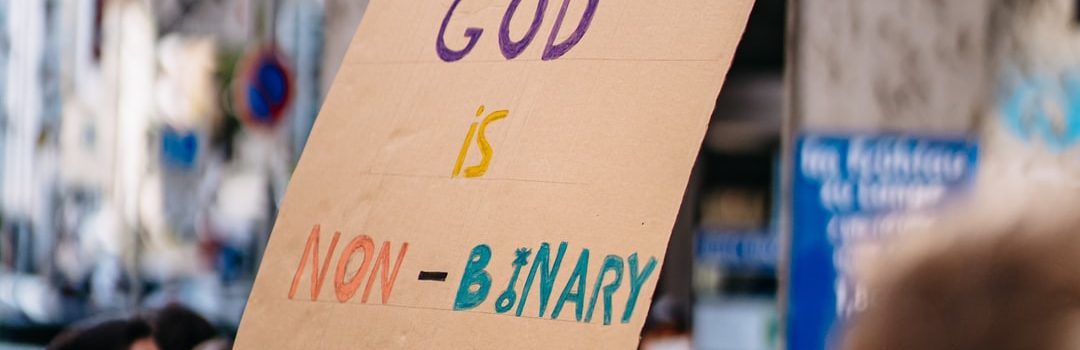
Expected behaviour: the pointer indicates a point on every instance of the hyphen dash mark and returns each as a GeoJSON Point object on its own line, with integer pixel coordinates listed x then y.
{"type": "Point", "coordinates": [432, 276]}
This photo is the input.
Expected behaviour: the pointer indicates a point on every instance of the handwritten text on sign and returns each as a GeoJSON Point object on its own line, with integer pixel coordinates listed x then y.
{"type": "Point", "coordinates": [481, 142]}
{"type": "Point", "coordinates": [476, 281]}
{"type": "Point", "coordinates": [512, 48]}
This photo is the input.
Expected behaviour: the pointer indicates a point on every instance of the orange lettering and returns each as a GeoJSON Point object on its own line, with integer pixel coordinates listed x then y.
{"type": "Point", "coordinates": [387, 281]}
{"type": "Point", "coordinates": [346, 290]}
{"type": "Point", "coordinates": [312, 248]}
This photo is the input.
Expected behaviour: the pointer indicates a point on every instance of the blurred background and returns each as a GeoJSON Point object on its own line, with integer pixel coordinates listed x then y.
{"type": "Point", "coordinates": [145, 145]}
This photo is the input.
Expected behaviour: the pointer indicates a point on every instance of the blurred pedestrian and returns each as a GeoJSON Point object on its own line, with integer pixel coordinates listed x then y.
{"type": "Point", "coordinates": [177, 328]}
{"type": "Point", "coordinates": [1013, 290]}
{"type": "Point", "coordinates": [110, 335]}
{"type": "Point", "coordinates": [171, 328]}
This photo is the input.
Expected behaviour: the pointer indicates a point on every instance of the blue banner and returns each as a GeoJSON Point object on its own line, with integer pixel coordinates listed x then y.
{"type": "Point", "coordinates": [747, 251]}
{"type": "Point", "coordinates": [850, 192]}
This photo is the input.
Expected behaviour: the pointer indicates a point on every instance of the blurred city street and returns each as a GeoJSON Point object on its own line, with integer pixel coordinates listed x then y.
{"type": "Point", "coordinates": [139, 168]}
{"type": "Point", "coordinates": [146, 147]}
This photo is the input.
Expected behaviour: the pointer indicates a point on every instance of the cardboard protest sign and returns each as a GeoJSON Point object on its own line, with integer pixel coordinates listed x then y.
{"type": "Point", "coordinates": [494, 174]}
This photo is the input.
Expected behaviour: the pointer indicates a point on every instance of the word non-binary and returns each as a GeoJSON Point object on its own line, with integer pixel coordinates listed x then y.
{"type": "Point", "coordinates": [616, 275]}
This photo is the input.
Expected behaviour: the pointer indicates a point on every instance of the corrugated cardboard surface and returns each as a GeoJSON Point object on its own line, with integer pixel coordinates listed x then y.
{"type": "Point", "coordinates": [595, 152]}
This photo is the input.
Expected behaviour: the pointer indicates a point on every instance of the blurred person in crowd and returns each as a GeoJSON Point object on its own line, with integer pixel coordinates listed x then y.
{"type": "Point", "coordinates": [171, 328]}
{"type": "Point", "coordinates": [177, 328]}
{"type": "Point", "coordinates": [112, 335]}
{"type": "Point", "coordinates": [1017, 288]}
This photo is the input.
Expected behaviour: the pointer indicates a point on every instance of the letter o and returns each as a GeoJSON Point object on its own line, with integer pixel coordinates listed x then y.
{"type": "Point", "coordinates": [510, 48]}
{"type": "Point", "coordinates": [345, 290]}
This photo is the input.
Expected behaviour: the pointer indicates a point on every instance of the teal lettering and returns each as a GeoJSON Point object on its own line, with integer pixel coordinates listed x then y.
{"type": "Point", "coordinates": [637, 280]}
{"type": "Point", "coordinates": [612, 263]}
{"type": "Point", "coordinates": [474, 275]}
{"type": "Point", "coordinates": [506, 299]}
{"type": "Point", "coordinates": [547, 276]}
{"type": "Point", "coordinates": [578, 296]}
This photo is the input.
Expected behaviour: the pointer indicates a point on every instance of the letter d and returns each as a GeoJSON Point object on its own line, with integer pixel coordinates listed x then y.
{"type": "Point", "coordinates": [553, 50]}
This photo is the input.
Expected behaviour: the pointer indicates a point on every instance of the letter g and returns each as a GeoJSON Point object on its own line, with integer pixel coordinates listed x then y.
{"type": "Point", "coordinates": [447, 54]}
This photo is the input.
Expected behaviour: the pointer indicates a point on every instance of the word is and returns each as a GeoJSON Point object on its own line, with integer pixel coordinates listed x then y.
{"type": "Point", "coordinates": [345, 287]}
{"type": "Point", "coordinates": [476, 283]}
{"type": "Point", "coordinates": [511, 48]}
{"type": "Point", "coordinates": [481, 142]}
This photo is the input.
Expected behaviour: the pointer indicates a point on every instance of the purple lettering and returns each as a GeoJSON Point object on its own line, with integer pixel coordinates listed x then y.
{"type": "Point", "coordinates": [510, 48]}
{"type": "Point", "coordinates": [553, 51]}
{"type": "Point", "coordinates": [445, 53]}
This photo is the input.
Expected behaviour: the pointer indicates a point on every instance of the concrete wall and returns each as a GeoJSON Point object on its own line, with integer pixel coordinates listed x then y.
{"type": "Point", "coordinates": [887, 64]}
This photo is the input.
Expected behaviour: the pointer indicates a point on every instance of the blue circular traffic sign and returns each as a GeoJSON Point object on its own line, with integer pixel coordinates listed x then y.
{"type": "Point", "coordinates": [264, 89]}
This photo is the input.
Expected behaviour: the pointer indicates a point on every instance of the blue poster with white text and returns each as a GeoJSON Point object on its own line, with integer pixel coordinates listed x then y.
{"type": "Point", "coordinates": [850, 192]}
